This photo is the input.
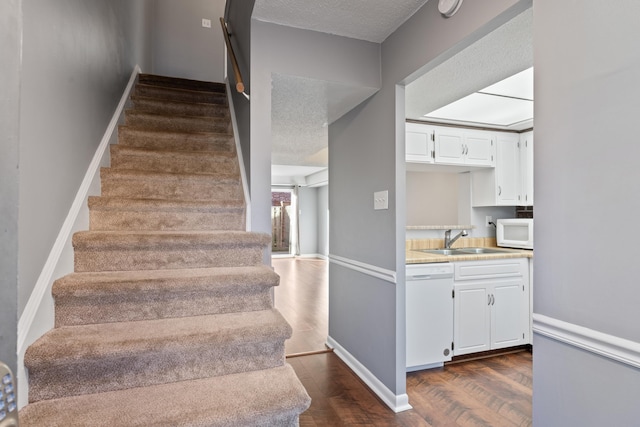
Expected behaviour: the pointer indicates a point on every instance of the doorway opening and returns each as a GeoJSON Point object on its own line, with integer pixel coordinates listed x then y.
{"type": "Point", "coordinates": [282, 222]}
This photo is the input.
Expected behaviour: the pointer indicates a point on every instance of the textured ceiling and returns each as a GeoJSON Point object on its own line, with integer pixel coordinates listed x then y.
{"type": "Point", "coordinates": [500, 54]}
{"type": "Point", "coordinates": [371, 20]}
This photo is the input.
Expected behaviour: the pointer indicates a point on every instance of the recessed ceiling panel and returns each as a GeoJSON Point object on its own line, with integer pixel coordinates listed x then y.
{"type": "Point", "coordinates": [517, 86]}
{"type": "Point", "coordinates": [481, 108]}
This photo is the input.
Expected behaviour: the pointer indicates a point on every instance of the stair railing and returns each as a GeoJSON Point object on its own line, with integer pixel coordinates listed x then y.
{"type": "Point", "coordinates": [234, 61]}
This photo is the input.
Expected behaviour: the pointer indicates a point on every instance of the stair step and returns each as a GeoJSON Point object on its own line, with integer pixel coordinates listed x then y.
{"type": "Point", "coordinates": [160, 250]}
{"type": "Point", "coordinates": [178, 141]}
{"type": "Point", "coordinates": [272, 397]}
{"type": "Point", "coordinates": [155, 185]}
{"type": "Point", "coordinates": [171, 123]}
{"type": "Point", "coordinates": [75, 360]}
{"type": "Point", "coordinates": [177, 82]}
{"type": "Point", "coordinates": [179, 94]}
{"type": "Point", "coordinates": [123, 157]}
{"type": "Point", "coordinates": [179, 108]}
{"type": "Point", "coordinates": [123, 296]}
{"type": "Point", "coordinates": [109, 214]}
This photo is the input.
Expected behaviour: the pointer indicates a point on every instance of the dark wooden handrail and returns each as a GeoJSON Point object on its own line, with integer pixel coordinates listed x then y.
{"type": "Point", "coordinates": [234, 61]}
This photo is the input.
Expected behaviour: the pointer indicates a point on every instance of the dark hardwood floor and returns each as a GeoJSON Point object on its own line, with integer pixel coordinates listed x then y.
{"type": "Point", "coordinates": [491, 392]}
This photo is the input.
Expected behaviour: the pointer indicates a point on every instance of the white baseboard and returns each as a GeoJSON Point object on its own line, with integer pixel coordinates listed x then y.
{"type": "Point", "coordinates": [397, 402]}
{"type": "Point", "coordinates": [371, 270]}
{"type": "Point", "coordinates": [605, 345]}
{"type": "Point", "coordinates": [37, 317]}
{"type": "Point", "coordinates": [312, 256]}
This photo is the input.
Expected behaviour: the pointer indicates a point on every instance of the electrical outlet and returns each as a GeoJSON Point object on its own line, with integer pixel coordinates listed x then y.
{"type": "Point", "coordinates": [487, 220]}
{"type": "Point", "coordinates": [381, 200]}
{"type": "Point", "coordinates": [206, 23]}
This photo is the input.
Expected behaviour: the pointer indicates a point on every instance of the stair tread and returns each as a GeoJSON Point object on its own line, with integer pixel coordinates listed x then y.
{"type": "Point", "coordinates": [186, 239]}
{"type": "Point", "coordinates": [168, 92]}
{"type": "Point", "coordinates": [133, 173]}
{"type": "Point", "coordinates": [172, 152]}
{"type": "Point", "coordinates": [154, 114]}
{"type": "Point", "coordinates": [135, 97]}
{"type": "Point", "coordinates": [186, 280]}
{"type": "Point", "coordinates": [122, 203]}
{"type": "Point", "coordinates": [76, 344]}
{"type": "Point", "coordinates": [248, 399]}
{"type": "Point", "coordinates": [175, 132]}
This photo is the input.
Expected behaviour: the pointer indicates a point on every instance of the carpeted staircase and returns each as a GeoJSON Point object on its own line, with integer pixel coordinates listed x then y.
{"type": "Point", "coordinates": [168, 319]}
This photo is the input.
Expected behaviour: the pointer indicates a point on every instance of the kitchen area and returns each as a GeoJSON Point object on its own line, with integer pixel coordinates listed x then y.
{"type": "Point", "coordinates": [469, 234]}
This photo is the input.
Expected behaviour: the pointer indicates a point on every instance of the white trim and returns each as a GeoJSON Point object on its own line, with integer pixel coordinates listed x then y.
{"type": "Point", "coordinates": [397, 402]}
{"type": "Point", "coordinates": [606, 345]}
{"type": "Point", "coordinates": [243, 172]}
{"type": "Point", "coordinates": [371, 270]}
{"type": "Point", "coordinates": [44, 280]}
{"type": "Point", "coordinates": [311, 256]}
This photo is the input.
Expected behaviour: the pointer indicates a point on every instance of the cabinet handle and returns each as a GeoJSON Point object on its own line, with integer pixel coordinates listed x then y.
{"type": "Point", "coordinates": [463, 149]}
{"type": "Point", "coordinates": [499, 190]}
{"type": "Point", "coordinates": [489, 299]}
{"type": "Point", "coordinates": [493, 299]}
{"type": "Point", "coordinates": [467, 149]}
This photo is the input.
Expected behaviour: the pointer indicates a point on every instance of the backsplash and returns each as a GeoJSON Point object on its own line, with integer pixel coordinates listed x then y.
{"type": "Point", "coordinates": [463, 242]}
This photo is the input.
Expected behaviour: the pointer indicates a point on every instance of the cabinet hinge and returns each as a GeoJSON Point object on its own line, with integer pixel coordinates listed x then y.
{"type": "Point", "coordinates": [518, 144]}
{"type": "Point", "coordinates": [451, 345]}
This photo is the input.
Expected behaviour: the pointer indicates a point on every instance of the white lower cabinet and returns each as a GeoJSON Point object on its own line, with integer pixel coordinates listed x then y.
{"type": "Point", "coordinates": [491, 305]}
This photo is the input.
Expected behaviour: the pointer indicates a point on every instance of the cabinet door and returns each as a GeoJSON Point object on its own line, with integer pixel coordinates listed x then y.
{"type": "Point", "coordinates": [418, 143]}
{"type": "Point", "coordinates": [479, 149]}
{"type": "Point", "coordinates": [509, 313]}
{"type": "Point", "coordinates": [507, 170]}
{"type": "Point", "coordinates": [526, 168]}
{"type": "Point", "coordinates": [472, 317]}
{"type": "Point", "coordinates": [449, 146]}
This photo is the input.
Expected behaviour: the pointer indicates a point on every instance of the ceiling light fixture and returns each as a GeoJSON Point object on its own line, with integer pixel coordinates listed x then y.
{"type": "Point", "coordinates": [448, 8]}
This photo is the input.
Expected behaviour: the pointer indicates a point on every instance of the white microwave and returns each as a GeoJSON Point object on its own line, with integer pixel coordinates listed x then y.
{"type": "Point", "coordinates": [515, 233]}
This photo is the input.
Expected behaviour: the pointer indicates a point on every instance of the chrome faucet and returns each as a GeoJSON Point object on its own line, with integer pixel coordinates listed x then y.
{"type": "Point", "coordinates": [448, 240]}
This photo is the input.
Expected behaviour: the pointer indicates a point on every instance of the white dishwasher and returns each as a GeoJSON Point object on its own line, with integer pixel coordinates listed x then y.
{"type": "Point", "coordinates": [429, 310]}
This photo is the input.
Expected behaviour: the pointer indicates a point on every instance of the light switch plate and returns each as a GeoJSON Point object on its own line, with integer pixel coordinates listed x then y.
{"type": "Point", "coordinates": [206, 23]}
{"type": "Point", "coordinates": [381, 200]}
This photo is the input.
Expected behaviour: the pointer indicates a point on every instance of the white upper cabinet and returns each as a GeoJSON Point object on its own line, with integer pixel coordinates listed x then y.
{"type": "Point", "coordinates": [419, 143]}
{"type": "Point", "coordinates": [526, 169]}
{"type": "Point", "coordinates": [449, 146]}
{"type": "Point", "coordinates": [511, 182]}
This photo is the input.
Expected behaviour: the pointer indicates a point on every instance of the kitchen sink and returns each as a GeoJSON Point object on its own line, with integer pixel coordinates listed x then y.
{"type": "Point", "coordinates": [463, 251]}
{"type": "Point", "coordinates": [481, 250]}
{"type": "Point", "coordinates": [443, 251]}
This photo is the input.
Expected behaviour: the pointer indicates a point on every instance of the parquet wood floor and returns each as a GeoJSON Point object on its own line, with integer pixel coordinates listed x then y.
{"type": "Point", "coordinates": [491, 392]}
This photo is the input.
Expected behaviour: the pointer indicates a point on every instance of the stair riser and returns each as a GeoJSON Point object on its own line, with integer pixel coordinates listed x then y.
{"type": "Point", "coordinates": [160, 365]}
{"type": "Point", "coordinates": [178, 83]}
{"type": "Point", "coordinates": [176, 124]}
{"type": "Point", "coordinates": [180, 95]}
{"type": "Point", "coordinates": [172, 162]}
{"type": "Point", "coordinates": [123, 258]}
{"type": "Point", "coordinates": [180, 109]}
{"type": "Point", "coordinates": [178, 141]}
{"type": "Point", "coordinates": [178, 221]}
{"type": "Point", "coordinates": [172, 189]}
{"type": "Point", "coordinates": [130, 306]}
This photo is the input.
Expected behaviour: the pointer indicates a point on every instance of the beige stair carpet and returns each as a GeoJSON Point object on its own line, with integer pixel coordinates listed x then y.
{"type": "Point", "coordinates": [168, 319]}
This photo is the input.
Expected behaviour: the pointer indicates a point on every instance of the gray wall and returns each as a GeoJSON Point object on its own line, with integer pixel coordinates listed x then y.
{"type": "Point", "coordinates": [308, 220]}
{"type": "Point", "coordinates": [302, 53]}
{"type": "Point", "coordinates": [10, 31]}
{"type": "Point", "coordinates": [182, 47]}
{"type": "Point", "coordinates": [238, 17]}
{"type": "Point", "coordinates": [76, 59]}
{"type": "Point", "coordinates": [323, 220]}
{"type": "Point", "coordinates": [587, 183]}
{"type": "Point", "coordinates": [366, 154]}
